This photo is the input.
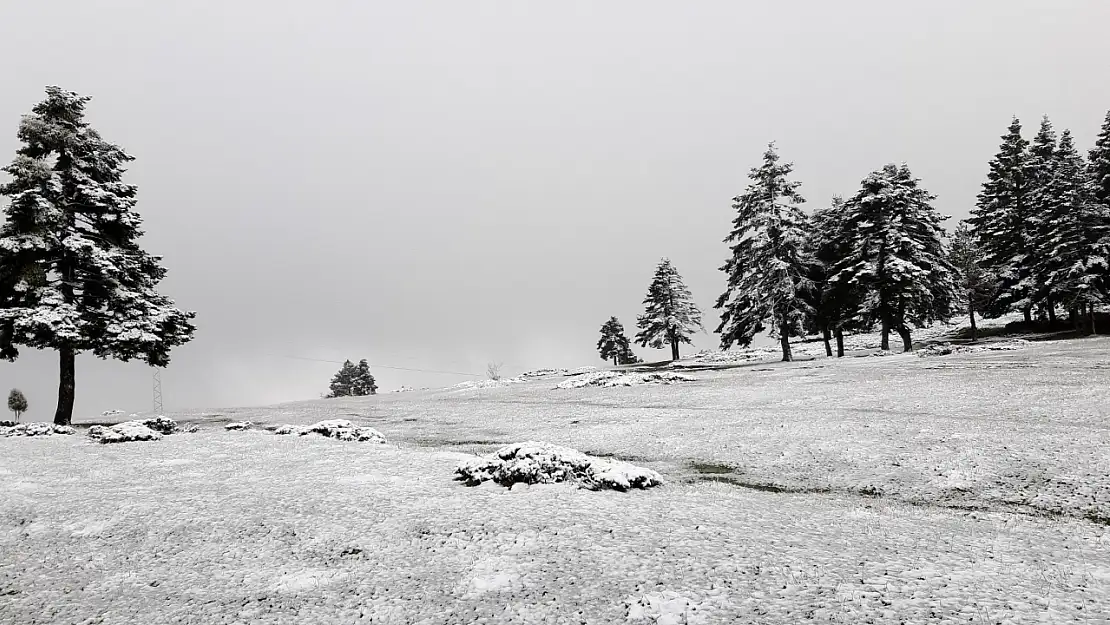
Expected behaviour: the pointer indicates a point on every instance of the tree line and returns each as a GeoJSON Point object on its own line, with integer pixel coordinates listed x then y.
{"type": "Point", "coordinates": [1037, 241]}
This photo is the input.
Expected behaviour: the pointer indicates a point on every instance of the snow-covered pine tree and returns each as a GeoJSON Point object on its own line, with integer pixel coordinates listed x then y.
{"type": "Point", "coordinates": [72, 275]}
{"type": "Point", "coordinates": [896, 258]}
{"type": "Point", "coordinates": [17, 403]}
{"type": "Point", "coordinates": [1077, 237]}
{"type": "Point", "coordinates": [363, 383]}
{"type": "Point", "coordinates": [1098, 163]}
{"type": "Point", "coordinates": [343, 382]}
{"type": "Point", "coordinates": [670, 315]}
{"type": "Point", "coordinates": [1001, 227]}
{"type": "Point", "coordinates": [1043, 211]}
{"type": "Point", "coordinates": [614, 344]}
{"type": "Point", "coordinates": [834, 304]}
{"type": "Point", "coordinates": [976, 284]}
{"type": "Point", "coordinates": [770, 269]}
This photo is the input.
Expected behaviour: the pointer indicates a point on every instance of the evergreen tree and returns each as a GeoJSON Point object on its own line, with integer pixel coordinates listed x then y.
{"type": "Point", "coordinates": [1043, 211]}
{"type": "Point", "coordinates": [835, 304]}
{"type": "Point", "coordinates": [1099, 164]}
{"type": "Point", "coordinates": [670, 315]}
{"type": "Point", "coordinates": [342, 384]}
{"type": "Point", "coordinates": [770, 270]}
{"type": "Point", "coordinates": [1001, 227]}
{"type": "Point", "coordinates": [72, 275]}
{"type": "Point", "coordinates": [17, 403]}
{"type": "Point", "coordinates": [976, 285]}
{"type": "Point", "coordinates": [897, 260]}
{"type": "Point", "coordinates": [1076, 239]}
{"type": "Point", "coordinates": [363, 382]}
{"type": "Point", "coordinates": [614, 345]}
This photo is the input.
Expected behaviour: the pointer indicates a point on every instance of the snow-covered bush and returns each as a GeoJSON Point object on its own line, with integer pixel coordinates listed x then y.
{"type": "Point", "coordinates": [37, 429]}
{"type": "Point", "coordinates": [344, 430]}
{"type": "Point", "coordinates": [481, 384]}
{"type": "Point", "coordinates": [162, 425]}
{"type": "Point", "coordinates": [239, 426]}
{"type": "Point", "coordinates": [609, 379]}
{"type": "Point", "coordinates": [544, 463]}
{"type": "Point", "coordinates": [126, 432]}
{"type": "Point", "coordinates": [289, 429]}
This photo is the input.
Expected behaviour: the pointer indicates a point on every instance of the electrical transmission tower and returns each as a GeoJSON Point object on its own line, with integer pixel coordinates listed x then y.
{"type": "Point", "coordinates": [157, 392]}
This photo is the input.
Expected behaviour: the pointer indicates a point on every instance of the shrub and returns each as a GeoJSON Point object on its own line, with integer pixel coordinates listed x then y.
{"type": "Point", "coordinates": [544, 463]}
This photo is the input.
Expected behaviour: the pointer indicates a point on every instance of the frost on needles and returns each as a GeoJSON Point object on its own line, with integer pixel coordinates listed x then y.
{"type": "Point", "coordinates": [72, 275]}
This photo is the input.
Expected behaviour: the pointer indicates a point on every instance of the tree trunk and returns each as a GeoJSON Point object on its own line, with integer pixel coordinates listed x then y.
{"type": "Point", "coordinates": [827, 335]}
{"type": "Point", "coordinates": [907, 343]}
{"type": "Point", "coordinates": [784, 340]}
{"type": "Point", "coordinates": [1028, 312]}
{"type": "Point", "coordinates": [839, 343]}
{"type": "Point", "coordinates": [674, 347]}
{"type": "Point", "coordinates": [1073, 316]}
{"type": "Point", "coordinates": [886, 336]}
{"type": "Point", "coordinates": [1091, 318]}
{"type": "Point", "coordinates": [614, 360]}
{"type": "Point", "coordinates": [974, 330]}
{"type": "Point", "coordinates": [68, 371]}
{"type": "Point", "coordinates": [1051, 306]}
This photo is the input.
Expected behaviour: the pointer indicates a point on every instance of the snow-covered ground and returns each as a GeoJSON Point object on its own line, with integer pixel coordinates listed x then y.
{"type": "Point", "coordinates": [968, 487]}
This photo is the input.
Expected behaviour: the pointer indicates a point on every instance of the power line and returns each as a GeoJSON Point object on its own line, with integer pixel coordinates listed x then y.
{"type": "Point", "coordinates": [476, 375]}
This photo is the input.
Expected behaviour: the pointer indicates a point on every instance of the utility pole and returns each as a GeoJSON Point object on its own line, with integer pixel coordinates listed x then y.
{"type": "Point", "coordinates": [157, 392]}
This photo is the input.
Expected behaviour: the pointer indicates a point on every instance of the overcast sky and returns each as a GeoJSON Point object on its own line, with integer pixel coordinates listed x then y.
{"type": "Point", "coordinates": [441, 184]}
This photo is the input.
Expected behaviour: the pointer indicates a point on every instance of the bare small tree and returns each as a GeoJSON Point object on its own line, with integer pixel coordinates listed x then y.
{"type": "Point", "coordinates": [493, 370]}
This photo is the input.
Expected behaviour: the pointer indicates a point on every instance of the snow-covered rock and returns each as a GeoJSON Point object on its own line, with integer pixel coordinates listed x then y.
{"type": "Point", "coordinates": [609, 379]}
{"type": "Point", "coordinates": [543, 373]}
{"type": "Point", "coordinates": [582, 370]}
{"type": "Point", "coordinates": [344, 430]}
{"type": "Point", "coordinates": [403, 389]}
{"type": "Point", "coordinates": [296, 430]}
{"type": "Point", "coordinates": [111, 413]}
{"type": "Point", "coordinates": [944, 349]}
{"type": "Point", "coordinates": [37, 429]}
{"type": "Point", "coordinates": [544, 463]}
{"type": "Point", "coordinates": [163, 425]}
{"type": "Point", "coordinates": [126, 432]}
{"type": "Point", "coordinates": [239, 426]}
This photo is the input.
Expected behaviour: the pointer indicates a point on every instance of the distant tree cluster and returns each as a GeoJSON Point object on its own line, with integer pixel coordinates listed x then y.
{"type": "Point", "coordinates": [17, 403]}
{"type": "Point", "coordinates": [353, 381]}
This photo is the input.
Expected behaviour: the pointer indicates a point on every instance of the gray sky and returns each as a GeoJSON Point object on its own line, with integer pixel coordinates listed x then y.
{"type": "Point", "coordinates": [441, 184]}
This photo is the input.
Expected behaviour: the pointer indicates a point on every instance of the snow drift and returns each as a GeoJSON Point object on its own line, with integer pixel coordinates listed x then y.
{"type": "Point", "coordinates": [608, 379]}
{"type": "Point", "coordinates": [543, 463]}
{"type": "Point", "coordinates": [36, 429]}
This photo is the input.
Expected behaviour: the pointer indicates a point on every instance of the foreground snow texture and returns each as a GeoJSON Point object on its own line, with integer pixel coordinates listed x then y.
{"type": "Point", "coordinates": [970, 488]}
{"type": "Point", "coordinates": [543, 463]}
{"type": "Point", "coordinates": [610, 379]}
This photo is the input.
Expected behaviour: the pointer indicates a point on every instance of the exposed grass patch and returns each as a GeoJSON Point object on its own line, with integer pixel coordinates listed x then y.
{"type": "Point", "coordinates": [711, 468]}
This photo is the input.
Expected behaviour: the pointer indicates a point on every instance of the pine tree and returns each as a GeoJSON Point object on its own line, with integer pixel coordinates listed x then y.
{"type": "Point", "coordinates": [1099, 164]}
{"type": "Point", "coordinates": [670, 315]}
{"type": "Point", "coordinates": [614, 345]}
{"type": "Point", "coordinates": [342, 384]}
{"type": "Point", "coordinates": [72, 275]}
{"type": "Point", "coordinates": [1001, 227]}
{"type": "Point", "coordinates": [17, 403]}
{"type": "Point", "coordinates": [835, 304]}
{"type": "Point", "coordinates": [1076, 239]}
{"type": "Point", "coordinates": [976, 285]}
{"type": "Point", "coordinates": [363, 382]}
{"type": "Point", "coordinates": [897, 260]}
{"type": "Point", "coordinates": [770, 270]}
{"type": "Point", "coordinates": [1043, 210]}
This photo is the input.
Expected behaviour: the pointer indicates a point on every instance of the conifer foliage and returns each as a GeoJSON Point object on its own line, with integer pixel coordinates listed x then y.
{"type": "Point", "coordinates": [670, 316]}
{"type": "Point", "coordinates": [1000, 222]}
{"type": "Point", "coordinates": [1099, 164]}
{"type": "Point", "coordinates": [614, 345]}
{"type": "Point", "coordinates": [770, 269]}
{"type": "Point", "coordinates": [72, 275]}
{"type": "Point", "coordinates": [976, 284]}
{"type": "Point", "coordinates": [896, 262]}
{"type": "Point", "coordinates": [353, 381]}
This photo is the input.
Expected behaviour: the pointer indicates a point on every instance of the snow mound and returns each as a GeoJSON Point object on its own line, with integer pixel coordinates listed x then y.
{"type": "Point", "coordinates": [748, 354]}
{"type": "Point", "coordinates": [162, 425]}
{"type": "Point", "coordinates": [403, 389]}
{"type": "Point", "coordinates": [582, 370]}
{"type": "Point", "coordinates": [543, 463]}
{"type": "Point", "coordinates": [36, 429]}
{"type": "Point", "coordinates": [543, 373]}
{"type": "Point", "coordinates": [344, 430]}
{"type": "Point", "coordinates": [945, 349]}
{"type": "Point", "coordinates": [239, 426]}
{"type": "Point", "coordinates": [111, 413]}
{"type": "Point", "coordinates": [609, 379]}
{"type": "Point", "coordinates": [290, 429]}
{"type": "Point", "coordinates": [480, 384]}
{"type": "Point", "coordinates": [126, 432]}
